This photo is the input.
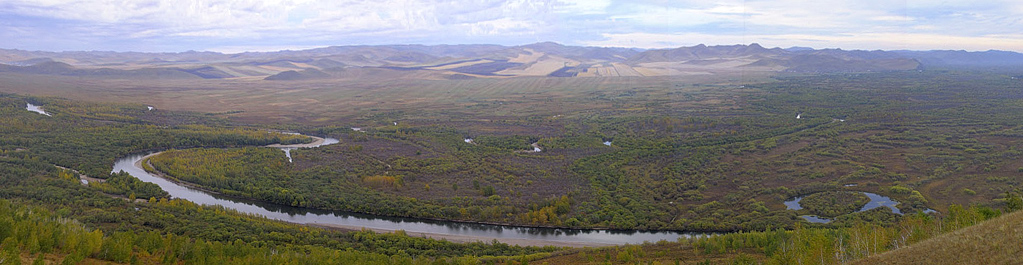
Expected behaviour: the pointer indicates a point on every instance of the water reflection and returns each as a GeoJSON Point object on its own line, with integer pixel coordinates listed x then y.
{"type": "Point", "coordinates": [326, 141]}
{"type": "Point", "coordinates": [875, 202]}
{"type": "Point", "coordinates": [815, 219]}
{"type": "Point", "coordinates": [793, 204]}
{"type": "Point", "coordinates": [36, 109]}
{"type": "Point", "coordinates": [880, 201]}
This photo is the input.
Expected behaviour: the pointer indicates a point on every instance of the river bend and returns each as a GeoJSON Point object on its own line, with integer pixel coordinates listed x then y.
{"type": "Point", "coordinates": [454, 231]}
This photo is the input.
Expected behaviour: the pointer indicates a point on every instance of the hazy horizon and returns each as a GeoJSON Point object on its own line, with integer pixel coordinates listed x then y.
{"type": "Point", "coordinates": [524, 44]}
{"type": "Point", "coordinates": [262, 26]}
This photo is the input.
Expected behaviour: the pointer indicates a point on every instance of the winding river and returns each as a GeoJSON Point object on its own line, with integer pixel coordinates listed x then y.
{"type": "Point", "coordinates": [453, 231]}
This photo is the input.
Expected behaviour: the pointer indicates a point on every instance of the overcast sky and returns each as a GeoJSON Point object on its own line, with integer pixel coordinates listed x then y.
{"type": "Point", "coordinates": [250, 25]}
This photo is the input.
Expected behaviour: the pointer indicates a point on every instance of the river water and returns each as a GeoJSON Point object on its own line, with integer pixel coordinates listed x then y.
{"type": "Point", "coordinates": [326, 141]}
{"type": "Point", "coordinates": [410, 225]}
{"type": "Point", "coordinates": [876, 201]}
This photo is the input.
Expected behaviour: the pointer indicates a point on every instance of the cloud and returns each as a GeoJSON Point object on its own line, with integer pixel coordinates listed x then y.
{"type": "Point", "coordinates": [583, 7]}
{"type": "Point", "coordinates": [675, 17]}
{"type": "Point", "coordinates": [217, 24]}
{"type": "Point", "coordinates": [191, 17]}
{"type": "Point", "coordinates": [892, 18]}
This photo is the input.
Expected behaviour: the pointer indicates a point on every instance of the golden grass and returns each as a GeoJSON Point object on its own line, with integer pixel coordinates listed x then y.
{"type": "Point", "coordinates": [527, 58]}
{"type": "Point", "coordinates": [659, 253]}
{"type": "Point", "coordinates": [996, 241]}
{"type": "Point", "coordinates": [381, 182]}
{"type": "Point", "coordinates": [540, 68]}
{"type": "Point", "coordinates": [457, 65]}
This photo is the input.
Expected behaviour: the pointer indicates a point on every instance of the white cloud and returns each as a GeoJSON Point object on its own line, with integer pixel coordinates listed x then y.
{"type": "Point", "coordinates": [672, 17]}
{"type": "Point", "coordinates": [640, 23]}
{"type": "Point", "coordinates": [892, 18]}
{"type": "Point", "coordinates": [500, 26]}
{"type": "Point", "coordinates": [233, 18]}
{"type": "Point", "coordinates": [583, 7]}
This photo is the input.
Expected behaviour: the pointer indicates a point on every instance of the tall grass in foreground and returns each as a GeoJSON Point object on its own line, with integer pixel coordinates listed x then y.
{"type": "Point", "coordinates": [841, 245]}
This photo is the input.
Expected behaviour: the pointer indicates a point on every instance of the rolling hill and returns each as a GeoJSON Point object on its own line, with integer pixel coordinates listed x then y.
{"type": "Point", "coordinates": [439, 62]}
{"type": "Point", "coordinates": [996, 241]}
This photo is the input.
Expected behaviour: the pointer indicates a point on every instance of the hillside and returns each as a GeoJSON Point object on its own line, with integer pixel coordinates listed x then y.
{"type": "Point", "coordinates": [996, 241]}
{"type": "Point", "coordinates": [439, 62]}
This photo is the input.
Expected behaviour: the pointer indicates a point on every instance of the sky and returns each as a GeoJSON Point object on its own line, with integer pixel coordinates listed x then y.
{"type": "Point", "coordinates": [249, 25]}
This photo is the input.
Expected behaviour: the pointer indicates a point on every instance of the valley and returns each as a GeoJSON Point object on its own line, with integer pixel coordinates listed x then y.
{"type": "Point", "coordinates": [642, 145]}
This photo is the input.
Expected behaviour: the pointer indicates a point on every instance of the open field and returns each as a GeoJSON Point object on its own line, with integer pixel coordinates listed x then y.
{"type": "Point", "coordinates": [360, 102]}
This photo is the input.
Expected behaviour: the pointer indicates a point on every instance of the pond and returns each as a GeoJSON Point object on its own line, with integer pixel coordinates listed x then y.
{"type": "Point", "coordinates": [36, 109]}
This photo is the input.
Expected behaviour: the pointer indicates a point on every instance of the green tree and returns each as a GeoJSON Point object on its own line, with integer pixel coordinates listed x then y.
{"type": "Point", "coordinates": [9, 253]}
{"type": "Point", "coordinates": [1013, 202]}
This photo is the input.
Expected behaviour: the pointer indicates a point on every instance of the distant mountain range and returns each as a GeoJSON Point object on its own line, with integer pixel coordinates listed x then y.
{"type": "Point", "coordinates": [485, 61]}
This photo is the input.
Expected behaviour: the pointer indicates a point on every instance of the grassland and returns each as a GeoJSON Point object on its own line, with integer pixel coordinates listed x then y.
{"type": "Point", "coordinates": [996, 241]}
{"type": "Point", "coordinates": [365, 103]}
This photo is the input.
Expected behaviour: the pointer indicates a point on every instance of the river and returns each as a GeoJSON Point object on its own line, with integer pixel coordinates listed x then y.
{"type": "Point", "coordinates": [454, 231]}
{"type": "Point", "coordinates": [876, 201]}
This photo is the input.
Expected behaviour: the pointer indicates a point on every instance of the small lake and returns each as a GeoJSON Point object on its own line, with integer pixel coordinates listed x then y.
{"type": "Point", "coordinates": [607, 143]}
{"type": "Point", "coordinates": [36, 109]}
{"type": "Point", "coordinates": [412, 226]}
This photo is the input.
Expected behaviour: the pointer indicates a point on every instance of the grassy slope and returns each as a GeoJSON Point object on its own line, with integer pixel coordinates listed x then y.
{"type": "Point", "coordinates": [996, 241]}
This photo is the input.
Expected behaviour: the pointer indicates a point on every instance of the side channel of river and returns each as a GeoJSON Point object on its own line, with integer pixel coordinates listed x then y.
{"type": "Point", "coordinates": [876, 201]}
{"type": "Point", "coordinates": [454, 231]}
